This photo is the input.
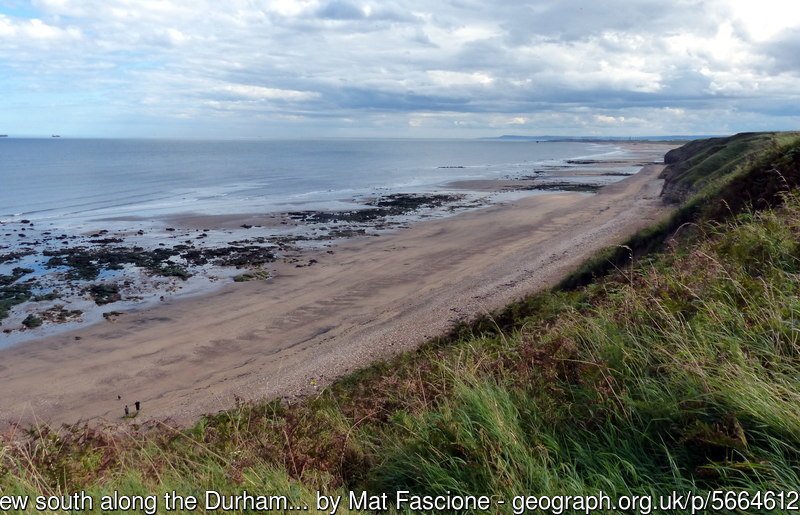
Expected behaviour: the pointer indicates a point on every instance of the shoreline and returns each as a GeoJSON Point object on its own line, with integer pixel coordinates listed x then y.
{"type": "Point", "coordinates": [54, 280]}
{"type": "Point", "coordinates": [292, 335]}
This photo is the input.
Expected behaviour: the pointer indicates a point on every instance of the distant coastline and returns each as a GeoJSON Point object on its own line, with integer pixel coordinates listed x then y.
{"type": "Point", "coordinates": [596, 139]}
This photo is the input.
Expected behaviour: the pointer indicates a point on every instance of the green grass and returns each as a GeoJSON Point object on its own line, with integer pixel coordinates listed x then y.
{"type": "Point", "coordinates": [678, 371]}
{"type": "Point", "coordinates": [712, 179]}
{"type": "Point", "coordinates": [702, 162]}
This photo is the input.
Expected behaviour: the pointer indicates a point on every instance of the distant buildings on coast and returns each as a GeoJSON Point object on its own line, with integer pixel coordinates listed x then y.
{"type": "Point", "coordinates": [52, 135]}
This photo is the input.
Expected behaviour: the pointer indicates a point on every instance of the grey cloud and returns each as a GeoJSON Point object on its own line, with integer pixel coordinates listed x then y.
{"type": "Point", "coordinates": [402, 101]}
{"type": "Point", "coordinates": [340, 10]}
{"type": "Point", "coordinates": [485, 54]}
{"type": "Point", "coordinates": [774, 107]}
{"type": "Point", "coordinates": [571, 20]}
{"type": "Point", "coordinates": [423, 39]}
{"type": "Point", "coordinates": [473, 58]}
{"type": "Point", "coordinates": [783, 51]}
{"type": "Point", "coordinates": [343, 10]}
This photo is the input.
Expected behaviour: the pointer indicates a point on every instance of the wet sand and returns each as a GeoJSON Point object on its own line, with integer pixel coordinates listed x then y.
{"type": "Point", "coordinates": [371, 298]}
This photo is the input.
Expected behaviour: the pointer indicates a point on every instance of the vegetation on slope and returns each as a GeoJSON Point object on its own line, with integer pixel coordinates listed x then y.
{"type": "Point", "coordinates": [701, 162]}
{"type": "Point", "coordinates": [676, 372]}
{"type": "Point", "coordinates": [711, 179]}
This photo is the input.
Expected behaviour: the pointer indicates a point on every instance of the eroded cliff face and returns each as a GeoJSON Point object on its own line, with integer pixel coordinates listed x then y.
{"type": "Point", "coordinates": [678, 161]}
{"type": "Point", "coordinates": [700, 162]}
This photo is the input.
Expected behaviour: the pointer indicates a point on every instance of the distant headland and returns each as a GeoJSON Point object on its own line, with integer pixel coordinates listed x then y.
{"type": "Point", "coordinates": [583, 139]}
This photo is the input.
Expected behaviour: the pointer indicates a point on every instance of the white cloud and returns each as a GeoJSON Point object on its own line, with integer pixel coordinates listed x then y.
{"type": "Point", "coordinates": [451, 78]}
{"type": "Point", "coordinates": [290, 7]}
{"type": "Point", "coordinates": [611, 120]}
{"type": "Point", "coordinates": [35, 31]}
{"type": "Point", "coordinates": [764, 19]}
{"type": "Point", "coordinates": [409, 64]}
{"type": "Point", "coordinates": [262, 93]}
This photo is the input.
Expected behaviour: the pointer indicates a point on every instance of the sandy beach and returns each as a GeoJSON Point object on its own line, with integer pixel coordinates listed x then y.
{"type": "Point", "coordinates": [367, 299]}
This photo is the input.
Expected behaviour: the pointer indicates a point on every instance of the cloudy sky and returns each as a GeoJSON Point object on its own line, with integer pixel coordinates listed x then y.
{"type": "Point", "coordinates": [415, 68]}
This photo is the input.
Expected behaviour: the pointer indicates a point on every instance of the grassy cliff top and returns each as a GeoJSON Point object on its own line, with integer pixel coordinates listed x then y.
{"type": "Point", "coordinates": [701, 163]}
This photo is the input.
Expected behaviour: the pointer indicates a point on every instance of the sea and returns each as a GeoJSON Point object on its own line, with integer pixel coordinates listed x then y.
{"type": "Point", "coordinates": [75, 213]}
{"type": "Point", "coordinates": [73, 180]}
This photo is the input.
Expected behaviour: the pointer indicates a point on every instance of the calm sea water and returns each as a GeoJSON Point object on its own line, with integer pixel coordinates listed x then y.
{"type": "Point", "coordinates": [61, 194]}
{"type": "Point", "coordinates": [71, 181]}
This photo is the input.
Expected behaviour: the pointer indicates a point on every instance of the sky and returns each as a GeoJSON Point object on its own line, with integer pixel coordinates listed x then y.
{"type": "Point", "coordinates": [415, 68]}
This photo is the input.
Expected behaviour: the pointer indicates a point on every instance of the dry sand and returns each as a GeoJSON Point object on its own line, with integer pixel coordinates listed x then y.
{"type": "Point", "coordinates": [372, 298]}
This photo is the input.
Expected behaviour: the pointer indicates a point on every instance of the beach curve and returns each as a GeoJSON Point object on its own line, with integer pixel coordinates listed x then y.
{"type": "Point", "coordinates": [294, 334]}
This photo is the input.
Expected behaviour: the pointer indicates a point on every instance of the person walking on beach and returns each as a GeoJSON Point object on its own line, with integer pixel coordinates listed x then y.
{"type": "Point", "coordinates": [137, 404]}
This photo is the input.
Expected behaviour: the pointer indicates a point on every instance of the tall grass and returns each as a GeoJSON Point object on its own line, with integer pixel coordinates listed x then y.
{"type": "Point", "coordinates": [714, 179]}
{"type": "Point", "coordinates": [685, 377]}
